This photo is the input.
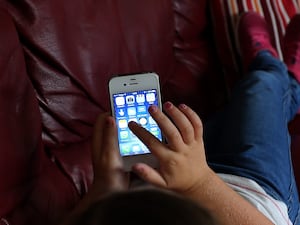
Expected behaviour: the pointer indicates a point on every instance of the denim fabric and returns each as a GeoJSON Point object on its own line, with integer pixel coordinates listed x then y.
{"type": "Point", "coordinates": [250, 137]}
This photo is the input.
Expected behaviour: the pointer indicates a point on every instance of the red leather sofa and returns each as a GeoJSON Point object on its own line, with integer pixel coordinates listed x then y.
{"type": "Point", "coordinates": [56, 58]}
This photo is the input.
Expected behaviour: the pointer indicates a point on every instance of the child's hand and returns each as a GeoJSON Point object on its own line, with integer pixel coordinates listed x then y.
{"type": "Point", "coordinates": [182, 160]}
{"type": "Point", "coordinates": [109, 175]}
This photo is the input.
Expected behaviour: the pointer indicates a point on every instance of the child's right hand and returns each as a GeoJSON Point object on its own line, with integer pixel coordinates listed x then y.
{"type": "Point", "coordinates": [182, 160]}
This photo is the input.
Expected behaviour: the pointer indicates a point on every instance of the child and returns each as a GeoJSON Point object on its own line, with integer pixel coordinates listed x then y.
{"type": "Point", "coordinates": [241, 171]}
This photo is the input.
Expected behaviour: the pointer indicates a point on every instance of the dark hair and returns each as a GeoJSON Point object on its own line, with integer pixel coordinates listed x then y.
{"type": "Point", "coordinates": [145, 207]}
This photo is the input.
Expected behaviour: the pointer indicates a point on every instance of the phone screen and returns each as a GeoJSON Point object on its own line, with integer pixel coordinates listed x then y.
{"type": "Point", "coordinates": [133, 106]}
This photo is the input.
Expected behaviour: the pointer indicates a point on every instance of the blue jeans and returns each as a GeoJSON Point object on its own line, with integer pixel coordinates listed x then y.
{"type": "Point", "coordinates": [250, 138]}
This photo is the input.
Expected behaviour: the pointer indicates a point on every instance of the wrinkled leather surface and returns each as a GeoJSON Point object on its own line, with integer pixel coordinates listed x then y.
{"type": "Point", "coordinates": [56, 57]}
{"type": "Point", "coordinates": [18, 115]}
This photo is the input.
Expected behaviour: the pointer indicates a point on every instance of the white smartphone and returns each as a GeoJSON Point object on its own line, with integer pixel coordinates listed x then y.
{"type": "Point", "coordinates": [130, 97]}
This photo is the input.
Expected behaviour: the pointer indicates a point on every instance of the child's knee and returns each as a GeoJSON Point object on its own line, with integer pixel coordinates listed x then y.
{"type": "Point", "coordinates": [262, 81]}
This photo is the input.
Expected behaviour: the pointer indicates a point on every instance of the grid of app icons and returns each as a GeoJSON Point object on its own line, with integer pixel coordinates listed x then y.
{"type": "Point", "coordinates": [133, 106]}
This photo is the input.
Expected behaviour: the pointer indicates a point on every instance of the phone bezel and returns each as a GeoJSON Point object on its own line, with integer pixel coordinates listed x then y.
{"type": "Point", "coordinates": [130, 83]}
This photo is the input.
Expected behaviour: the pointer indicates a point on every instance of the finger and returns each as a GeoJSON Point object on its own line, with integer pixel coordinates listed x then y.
{"type": "Point", "coordinates": [107, 163]}
{"type": "Point", "coordinates": [98, 135]}
{"type": "Point", "coordinates": [181, 121]}
{"type": "Point", "coordinates": [153, 144]}
{"type": "Point", "coordinates": [149, 174]}
{"type": "Point", "coordinates": [169, 130]}
{"type": "Point", "coordinates": [110, 155]}
{"type": "Point", "coordinates": [194, 120]}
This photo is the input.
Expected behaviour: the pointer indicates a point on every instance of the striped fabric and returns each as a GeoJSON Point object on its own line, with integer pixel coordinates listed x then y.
{"type": "Point", "coordinates": [225, 16]}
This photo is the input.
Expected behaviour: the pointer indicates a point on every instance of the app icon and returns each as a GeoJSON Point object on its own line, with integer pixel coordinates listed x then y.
{"type": "Point", "coordinates": [143, 121]}
{"type": "Point", "coordinates": [144, 149]}
{"type": "Point", "coordinates": [124, 135]}
{"type": "Point", "coordinates": [122, 123]}
{"type": "Point", "coordinates": [155, 131]}
{"type": "Point", "coordinates": [125, 149]}
{"type": "Point", "coordinates": [136, 149]}
{"type": "Point", "coordinates": [140, 98]}
{"type": "Point", "coordinates": [131, 111]}
{"type": "Point", "coordinates": [120, 101]}
{"type": "Point", "coordinates": [150, 97]}
{"type": "Point", "coordinates": [142, 109]}
{"type": "Point", "coordinates": [130, 99]}
{"type": "Point", "coordinates": [152, 121]}
{"type": "Point", "coordinates": [133, 136]}
{"type": "Point", "coordinates": [121, 112]}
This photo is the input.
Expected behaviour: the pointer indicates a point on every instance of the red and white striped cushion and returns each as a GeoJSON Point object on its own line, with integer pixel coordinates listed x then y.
{"type": "Point", "coordinates": [225, 15]}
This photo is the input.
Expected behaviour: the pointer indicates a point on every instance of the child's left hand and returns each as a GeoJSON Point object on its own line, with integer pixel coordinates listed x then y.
{"type": "Point", "coordinates": [109, 175]}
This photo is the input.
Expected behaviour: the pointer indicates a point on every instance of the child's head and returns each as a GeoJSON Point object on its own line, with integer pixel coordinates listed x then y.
{"type": "Point", "coordinates": [145, 207]}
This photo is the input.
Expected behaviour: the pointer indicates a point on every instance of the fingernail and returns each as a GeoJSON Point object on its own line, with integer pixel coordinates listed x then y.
{"type": "Point", "coordinates": [168, 105]}
{"type": "Point", "coordinates": [153, 109]}
{"type": "Point", "coordinates": [182, 106]}
{"type": "Point", "coordinates": [110, 121]}
{"type": "Point", "coordinates": [133, 123]}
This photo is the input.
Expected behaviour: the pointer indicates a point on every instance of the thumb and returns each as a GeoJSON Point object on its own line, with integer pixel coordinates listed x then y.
{"type": "Point", "coordinates": [110, 155]}
{"type": "Point", "coordinates": [97, 137]}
